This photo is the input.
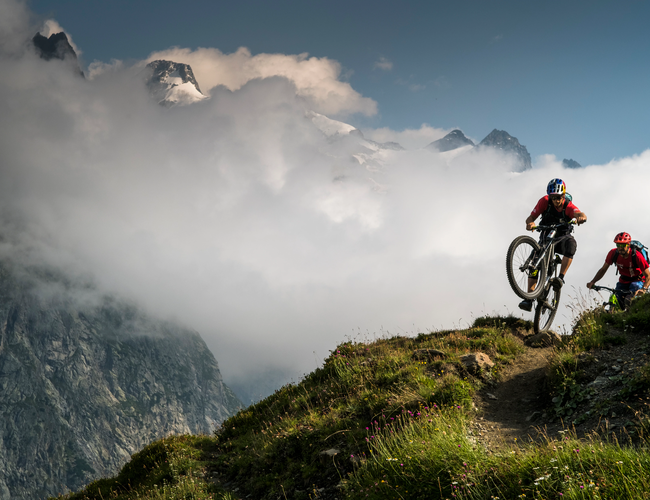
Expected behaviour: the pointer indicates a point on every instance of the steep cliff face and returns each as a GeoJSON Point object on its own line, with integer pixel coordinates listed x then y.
{"type": "Point", "coordinates": [82, 387]}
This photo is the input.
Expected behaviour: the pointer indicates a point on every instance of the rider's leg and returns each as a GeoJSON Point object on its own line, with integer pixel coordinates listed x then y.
{"type": "Point", "coordinates": [566, 263]}
{"type": "Point", "coordinates": [625, 292]}
{"type": "Point", "coordinates": [568, 249]}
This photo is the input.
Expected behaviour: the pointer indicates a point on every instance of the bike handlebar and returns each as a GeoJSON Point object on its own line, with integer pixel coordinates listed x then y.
{"type": "Point", "coordinates": [613, 290]}
{"type": "Point", "coordinates": [572, 222]}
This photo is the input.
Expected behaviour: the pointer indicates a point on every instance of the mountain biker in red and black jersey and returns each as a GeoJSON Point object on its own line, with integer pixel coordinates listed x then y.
{"type": "Point", "coordinates": [555, 208]}
{"type": "Point", "coordinates": [630, 263]}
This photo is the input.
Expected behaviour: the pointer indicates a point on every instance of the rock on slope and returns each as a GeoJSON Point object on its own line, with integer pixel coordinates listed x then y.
{"type": "Point", "coordinates": [82, 387]}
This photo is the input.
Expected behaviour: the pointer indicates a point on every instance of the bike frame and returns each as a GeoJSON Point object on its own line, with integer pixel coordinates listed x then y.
{"type": "Point", "coordinates": [616, 297]}
{"type": "Point", "coordinates": [547, 241]}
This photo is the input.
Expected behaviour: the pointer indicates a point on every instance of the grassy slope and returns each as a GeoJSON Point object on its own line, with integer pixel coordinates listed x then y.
{"type": "Point", "coordinates": [377, 421]}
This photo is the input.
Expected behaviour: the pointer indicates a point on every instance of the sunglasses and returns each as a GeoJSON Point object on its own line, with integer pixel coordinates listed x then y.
{"type": "Point", "coordinates": [557, 197]}
{"type": "Point", "coordinates": [622, 246]}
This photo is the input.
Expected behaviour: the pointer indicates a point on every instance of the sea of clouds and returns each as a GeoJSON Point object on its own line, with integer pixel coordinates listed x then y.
{"type": "Point", "coordinates": [241, 219]}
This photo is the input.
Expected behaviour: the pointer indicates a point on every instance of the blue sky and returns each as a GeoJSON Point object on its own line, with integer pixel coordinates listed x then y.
{"type": "Point", "coordinates": [568, 78]}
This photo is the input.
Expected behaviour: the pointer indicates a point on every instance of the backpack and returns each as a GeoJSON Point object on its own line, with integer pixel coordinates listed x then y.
{"type": "Point", "coordinates": [635, 246]}
{"type": "Point", "coordinates": [549, 212]}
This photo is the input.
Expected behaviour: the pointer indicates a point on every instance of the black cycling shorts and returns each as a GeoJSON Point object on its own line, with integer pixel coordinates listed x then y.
{"type": "Point", "coordinates": [567, 247]}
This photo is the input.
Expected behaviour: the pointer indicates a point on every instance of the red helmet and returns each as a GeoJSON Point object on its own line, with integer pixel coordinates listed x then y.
{"type": "Point", "coordinates": [622, 238]}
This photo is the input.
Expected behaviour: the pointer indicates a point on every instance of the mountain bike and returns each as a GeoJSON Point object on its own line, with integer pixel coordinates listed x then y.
{"type": "Point", "coordinates": [618, 299]}
{"type": "Point", "coordinates": [535, 262]}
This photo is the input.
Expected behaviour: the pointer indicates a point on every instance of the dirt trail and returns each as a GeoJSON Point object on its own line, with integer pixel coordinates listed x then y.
{"type": "Point", "coordinates": [513, 410]}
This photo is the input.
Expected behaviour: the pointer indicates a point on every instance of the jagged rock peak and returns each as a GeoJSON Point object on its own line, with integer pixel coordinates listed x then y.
{"type": "Point", "coordinates": [570, 164]}
{"type": "Point", "coordinates": [500, 139]}
{"type": "Point", "coordinates": [173, 83]}
{"type": "Point", "coordinates": [56, 46]}
{"type": "Point", "coordinates": [453, 140]}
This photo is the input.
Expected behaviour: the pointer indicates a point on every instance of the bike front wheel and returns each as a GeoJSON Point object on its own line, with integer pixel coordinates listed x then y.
{"type": "Point", "coordinates": [522, 253]}
{"type": "Point", "coordinates": [546, 309]}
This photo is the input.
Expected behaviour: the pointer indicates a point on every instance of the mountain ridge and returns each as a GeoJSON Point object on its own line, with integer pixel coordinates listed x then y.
{"type": "Point", "coordinates": [84, 386]}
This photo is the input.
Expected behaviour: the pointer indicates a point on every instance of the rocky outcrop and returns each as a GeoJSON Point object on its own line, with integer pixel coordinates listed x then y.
{"type": "Point", "coordinates": [56, 46]}
{"type": "Point", "coordinates": [543, 339]}
{"type": "Point", "coordinates": [477, 363]}
{"type": "Point", "coordinates": [172, 83]}
{"type": "Point", "coordinates": [85, 385]}
{"type": "Point", "coordinates": [453, 140]}
{"type": "Point", "coordinates": [570, 164]}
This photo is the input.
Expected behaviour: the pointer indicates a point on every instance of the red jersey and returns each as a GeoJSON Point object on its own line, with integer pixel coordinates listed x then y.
{"type": "Point", "coordinates": [629, 269]}
{"type": "Point", "coordinates": [542, 205]}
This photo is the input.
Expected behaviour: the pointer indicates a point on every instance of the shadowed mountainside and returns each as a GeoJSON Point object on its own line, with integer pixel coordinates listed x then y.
{"type": "Point", "coordinates": [85, 385]}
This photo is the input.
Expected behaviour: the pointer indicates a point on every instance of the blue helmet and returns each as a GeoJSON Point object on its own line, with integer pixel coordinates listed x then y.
{"type": "Point", "coordinates": [556, 186]}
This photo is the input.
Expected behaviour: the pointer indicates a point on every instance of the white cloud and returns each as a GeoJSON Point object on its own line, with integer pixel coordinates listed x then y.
{"type": "Point", "coordinates": [384, 64]}
{"type": "Point", "coordinates": [408, 138]}
{"type": "Point", "coordinates": [413, 87]}
{"type": "Point", "coordinates": [238, 217]}
{"type": "Point", "coordinates": [317, 80]}
{"type": "Point", "coordinates": [14, 26]}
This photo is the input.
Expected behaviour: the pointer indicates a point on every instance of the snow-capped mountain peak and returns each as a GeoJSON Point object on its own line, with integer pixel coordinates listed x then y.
{"type": "Point", "coordinates": [329, 127]}
{"type": "Point", "coordinates": [172, 83]}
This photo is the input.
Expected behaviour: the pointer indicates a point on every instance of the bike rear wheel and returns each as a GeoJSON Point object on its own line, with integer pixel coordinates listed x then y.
{"type": "Point", "coordinates": [519, 266]}
{"type": "Point", "coordinates": [547, 306]}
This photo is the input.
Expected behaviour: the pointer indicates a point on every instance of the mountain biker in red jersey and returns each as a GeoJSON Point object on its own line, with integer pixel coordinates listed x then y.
{"type": "Point", "coordinates": [632, 266]}
{"type": "Point", "coordinates": [555, 208]}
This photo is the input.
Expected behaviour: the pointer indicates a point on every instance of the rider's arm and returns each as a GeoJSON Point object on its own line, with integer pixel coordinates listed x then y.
{"type": "Point", "coordinates": [575, 213]}
{"type": "Point", "coordinates": [601, 272]}
{"type": "Point", "coordinates": [646, 282]}
{"type": "Point", "coordinates": [530, 222]}
{"type": "Point", "coordinates": [540, 208]}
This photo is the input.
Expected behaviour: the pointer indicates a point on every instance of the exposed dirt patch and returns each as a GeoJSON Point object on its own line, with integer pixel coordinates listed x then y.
{"type": "Point", "coordinates": [513, 410]}
{"type": "Point", "coordinates": [519, 409]}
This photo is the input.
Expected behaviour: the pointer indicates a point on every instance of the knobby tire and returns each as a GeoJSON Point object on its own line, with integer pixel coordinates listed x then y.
{"type": "Point", "coordinates": [519, 253]}
{"type": "Point", "coordinates": [547, 306]}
